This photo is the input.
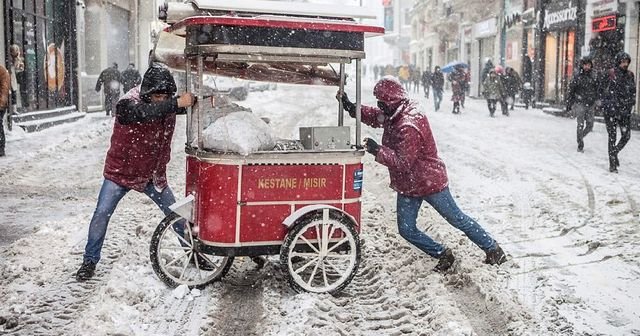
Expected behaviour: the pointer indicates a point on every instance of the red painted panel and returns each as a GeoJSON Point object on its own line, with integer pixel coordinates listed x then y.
{"type": "Point", "coordinates": [354, 210]}
{"type": "Point", "coordinates": [353, 181]}
{"type": "Point", "coordinates": [216, 202]}
{"type": "Point", "coordinates": [263, 222]}
{"type": "Point", "coordinates": [193, 170]}
{"type": "Point", "coordinates": [291, 183]}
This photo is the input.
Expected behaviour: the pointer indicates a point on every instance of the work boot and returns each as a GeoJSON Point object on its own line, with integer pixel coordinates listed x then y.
{"type": "Point", "coordinates": [445, 261]}
{"type": "Point", "coordinates": [259, 261]}
{"type": "Point", "coordinates": [580, 146]}
{"type": "Point", "coordinates": [86, 271]}
{"type": "Point", "coordinates": [495, 256]}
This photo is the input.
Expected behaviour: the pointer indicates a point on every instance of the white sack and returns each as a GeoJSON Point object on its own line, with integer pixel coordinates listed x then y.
{"type": "Point", "coordinates": [239, 132]}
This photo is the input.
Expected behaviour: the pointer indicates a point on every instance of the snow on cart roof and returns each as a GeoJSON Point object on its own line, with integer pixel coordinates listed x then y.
{"type": "Point", "coordinates": [173, 11]}
{"type": "Point", "coordinates": [274, 48]}
{"type": "Point", "coordinates": [180, 27]}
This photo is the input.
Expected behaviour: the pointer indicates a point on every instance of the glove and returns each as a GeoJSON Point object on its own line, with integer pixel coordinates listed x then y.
{"type": "Point", "coordinates": [372, 146]}
{"type": "Point", "coordinates": [347, 104]}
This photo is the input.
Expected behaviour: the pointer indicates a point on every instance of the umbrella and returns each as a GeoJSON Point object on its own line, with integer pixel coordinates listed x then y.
{"type": "Point", "coordinates": [449, 67]}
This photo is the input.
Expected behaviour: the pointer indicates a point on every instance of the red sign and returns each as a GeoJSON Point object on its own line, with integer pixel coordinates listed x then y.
{"type": "Point", "coordinates": [386, 3]}
{"type": "Point", "coordinates": [603, 24]}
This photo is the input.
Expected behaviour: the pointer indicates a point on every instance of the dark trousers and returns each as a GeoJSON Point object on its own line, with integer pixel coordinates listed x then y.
{"type": "Point", "coordinates": [426, 91]}
{"type": "Point", "coordinates": [491, 103]}
{"type": "Point", "coordinates": [584, 117]}
{"type": "Point", "coordinates": [504, 106]}
{"type": "Point", "coordinates": [613, 122]}
{"type": "Point", "coordinates": [2, 139]}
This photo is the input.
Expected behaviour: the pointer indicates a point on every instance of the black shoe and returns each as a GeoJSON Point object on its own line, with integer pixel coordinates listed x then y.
{"type": "Point", "coordinates": [613, 169]}
{"type": "Point", "coordinates": [86, 271]}
{"type": "Point", "coordinates": [581, 146]}
{"type": "Point", "coordinates": [495, 256]}
{"type": "Point", "coordinates": [260, 261]}
{"type": "Point", "coordinates": [445, 261]}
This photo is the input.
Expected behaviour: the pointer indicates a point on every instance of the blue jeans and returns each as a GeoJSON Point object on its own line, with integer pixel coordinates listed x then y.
{"type": "Point", "coordinates": [109, 197]}
{"type": "Point", "coordinates": [444, 204]}
{"type": "Point", "coordinates": [437, 98]}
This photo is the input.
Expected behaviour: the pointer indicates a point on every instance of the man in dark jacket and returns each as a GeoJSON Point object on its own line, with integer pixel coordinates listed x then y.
{"type": "Point", "coordinates": [111, 79]}
{"type": "Point", "coordinates": [437, 84]}
{"type": "Point", "coordinates": [619, 92]}
{"type": "Point", "coordinates": [512, 85]}
{"type": "Point", "coordinates": [416, 171]}
{"type": "Point", "coordinates": [488, 66]}
{"type": "Point", "coordinates": [581, 98]}
{"type": "Point", "coordinates": [138, 156]}
{"type": "Point", "coordinates": [130, 77]}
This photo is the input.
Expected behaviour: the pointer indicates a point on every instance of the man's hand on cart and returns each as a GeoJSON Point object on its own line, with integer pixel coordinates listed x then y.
{"type": "Point", "coordinates": [186, 99]}
{"type": "Point", "coordinates": [347, 104]}
{"type": "Point", "coordinates": [371, 146]}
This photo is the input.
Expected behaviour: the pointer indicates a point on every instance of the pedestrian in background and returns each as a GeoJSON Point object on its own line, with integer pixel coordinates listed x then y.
{"type": "Point", "coordinates": [5, 101]}
{"type": "Point", "coordinates": [111, 79]}
{"type": "Point", "coordinates": [581, 99]}
{"type": "Point", "coordinates": [437, 85]}
{"type": "Point", "coordinates": [488, 66]}
{"type": "Point", "coordinates": [502, 100]}
{"type": "Point", "coordinates": [619, 96]}
{"type": "Point", "coordinates": [492, 90]}
{"type": "Point", "coordinates": [426, 82]}
{"type": "Point", "coordinates": [457, 79]}
{"type": "Point", "coordinates": [415, 77]}
{"type": "Point", "coordinates": [417, 173]}
{"type": "Point", "coordinates": [512, 84]}
{"type": "Point", "coordinates": [131, 77]}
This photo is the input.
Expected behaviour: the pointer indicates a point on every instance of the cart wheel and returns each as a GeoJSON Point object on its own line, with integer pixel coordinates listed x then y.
{"type": "Point", "coordinates": [321, 253]}
{"type": "Point", "coordinates": [175, 260]}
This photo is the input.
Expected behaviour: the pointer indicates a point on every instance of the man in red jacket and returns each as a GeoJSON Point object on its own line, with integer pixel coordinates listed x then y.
{"type": "Point", "coordinates": [138, 156]}
{"type": "Point", "coordinates": [417, 173]}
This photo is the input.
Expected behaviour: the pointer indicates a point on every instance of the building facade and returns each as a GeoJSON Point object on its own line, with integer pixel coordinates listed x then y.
{"type": "Point", "coordinates": [39, 48]}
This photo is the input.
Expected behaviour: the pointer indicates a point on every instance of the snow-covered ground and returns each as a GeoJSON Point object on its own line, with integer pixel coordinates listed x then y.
{"type": "Point", "coordinates": [570, 227]}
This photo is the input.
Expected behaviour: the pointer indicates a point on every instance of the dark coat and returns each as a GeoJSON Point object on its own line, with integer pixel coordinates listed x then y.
{"type": "Point", "coordinates": [486, 69]}
{"type": "Point", "coordinates": [619, 91]}
{"type": "Point", "coordinates": [111, 79]}
{"type": "Point", "coordinates": [141, 140]}
{"type": "Point", "coordinates": [437, 80]}
{"type": "Point", "coordinates": [492, 88]}
{"type": "Point", "coordinates": [426, 78]}
{"type": "Point", "coordinates": [583, 89]}
{"type": "Point", "coordinates": [408, 147]}
{"type": "Point", "coordinates": [512, 82]}
{"type": "Point", "coordinates": [130, 79]}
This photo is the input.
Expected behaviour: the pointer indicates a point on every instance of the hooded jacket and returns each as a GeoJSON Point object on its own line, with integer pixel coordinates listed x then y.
{"type": "Point", "coordinates": [493, 88]}
{"type": "Point", "coordinates": [141, 140]}
{"type": "Point", "coordinates": [408, 147]}
{"type": "Point", "coordinates": [583, 88]}
{"type": "Point", "coordinates": [619, 89]}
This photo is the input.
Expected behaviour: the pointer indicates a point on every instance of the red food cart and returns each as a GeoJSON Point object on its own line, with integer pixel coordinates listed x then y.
{"type": "Point", "coordinates": [301, 204]}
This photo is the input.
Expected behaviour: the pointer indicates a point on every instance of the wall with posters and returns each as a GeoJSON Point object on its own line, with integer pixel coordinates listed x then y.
{"type": "Point", "coordinates": [40, 48]}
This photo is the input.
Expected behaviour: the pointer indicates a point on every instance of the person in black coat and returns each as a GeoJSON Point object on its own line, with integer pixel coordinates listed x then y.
{"type": "Point", "coordinates": [437, 84]}
{"type": "Point", "coordinates": [619, 96]}
{"type": "Point", "coordinates": [131, 78]}
{"type": "Point", "coordinates": [112, 80]}
{"type": "Point", "coordinates": [581, 98]}
{"type": "Point", "coordinates": [512, 84]}
{"type": "Point", "coordinates": [426, 82]}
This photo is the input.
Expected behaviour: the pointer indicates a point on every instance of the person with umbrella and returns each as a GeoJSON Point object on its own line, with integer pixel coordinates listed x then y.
{"type": "Point", "coordinates": [457, 79]}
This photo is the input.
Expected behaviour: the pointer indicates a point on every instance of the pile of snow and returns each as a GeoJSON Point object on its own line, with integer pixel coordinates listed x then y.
{"type": "Point", "coordinates": [239, 132]}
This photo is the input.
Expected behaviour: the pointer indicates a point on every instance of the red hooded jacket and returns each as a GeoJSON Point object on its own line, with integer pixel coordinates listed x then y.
{"type": "Point", "coordinates": [139, 151]}
{"type": "Point", "coordinates": [408, 147]}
